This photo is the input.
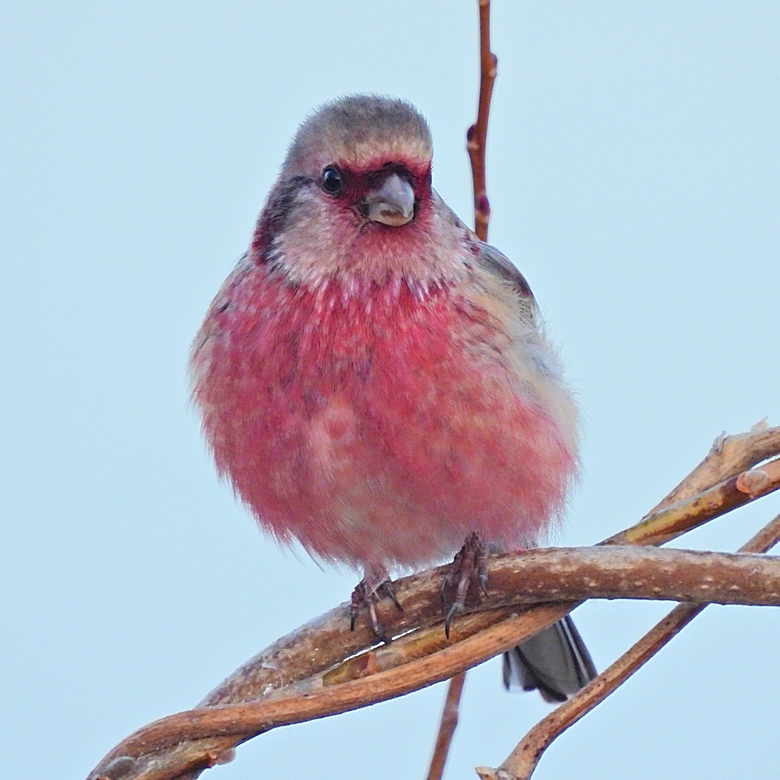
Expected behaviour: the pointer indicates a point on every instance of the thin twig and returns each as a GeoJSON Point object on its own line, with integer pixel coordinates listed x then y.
{"type": "Point", "coordinates": [729, 455]}
{"type": "Point", "coordinates": [476, 137]}
{"type": "Point", "coordinates": [522, 762]}
{"type": "Point", "coordinates": [476, 145]}
{"type": "Point", "coordinates": [670, 522]}
{"type": "Point", "coordinates": [449, 722]}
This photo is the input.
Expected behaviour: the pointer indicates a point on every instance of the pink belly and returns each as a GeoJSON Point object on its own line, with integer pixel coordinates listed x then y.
{"type": "Point", "coordinates": [378, 437]}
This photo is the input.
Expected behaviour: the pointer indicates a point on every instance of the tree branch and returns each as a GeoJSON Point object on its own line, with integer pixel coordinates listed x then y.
{"type": "Point", "coordinates": [449, 722]}
{"type": "Point", "coordinates": [300, 676]}
{"type": "Point", "coordinates": [476, 145]}
{"type": "Point", "coordinates": [476, 137]}
{"type": "Point", "coordinates": [728, 456]}
{"type": "Point", "coordinates": [604, 572]}
{"type": "Point", "coordinates": [523, 760]}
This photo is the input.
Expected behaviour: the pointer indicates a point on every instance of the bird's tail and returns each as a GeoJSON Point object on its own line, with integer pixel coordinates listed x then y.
{"type": "Point", "coordinates": [555, 662]}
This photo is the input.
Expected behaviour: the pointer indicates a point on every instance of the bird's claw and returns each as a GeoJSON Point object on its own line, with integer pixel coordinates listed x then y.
{"type": "Point", "coordinates": [365, 594]}
{"type": "Point", "coordinates": [469, 567]}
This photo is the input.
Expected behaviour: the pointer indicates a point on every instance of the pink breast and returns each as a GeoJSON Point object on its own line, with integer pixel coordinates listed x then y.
{"type": "Point", "coordinates": [377, 434]}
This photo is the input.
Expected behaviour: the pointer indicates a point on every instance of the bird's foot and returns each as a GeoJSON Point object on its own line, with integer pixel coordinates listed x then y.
{"type": "Point", "coordinates": [369, 595]}
{"type": "Point", "coordinates": [467, 570]}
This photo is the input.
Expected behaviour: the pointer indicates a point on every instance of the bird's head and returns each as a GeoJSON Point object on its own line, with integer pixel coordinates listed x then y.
{"type": "Point", "coordinates": [370, 156]}
{"type": "Point", "coordinates": [354, 196]}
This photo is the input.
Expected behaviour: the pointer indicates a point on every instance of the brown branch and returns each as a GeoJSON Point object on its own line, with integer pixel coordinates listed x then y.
{"type": "Point", "coordinates": [522, 762]}
{"type": "Point", "coordinates": [614, 573]}
{"type": "Point", "coordinates": [295, 664]}
{"type": "Point", "coordinates": [449, 722]}
{"type": "Point", "coordinates": [729, 455]}
{"type": "Point", "coordinates": [476, 137]}
{"type": "Point", "coordinates": [476, 145]}
{"type": "Point", "coordinates": [670, 522]}
{"type": "Point", "coordinates": [606, 572]}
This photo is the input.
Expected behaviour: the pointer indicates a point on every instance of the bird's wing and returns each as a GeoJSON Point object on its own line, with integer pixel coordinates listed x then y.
{"type": "Point", "coordinates": [499, 265]}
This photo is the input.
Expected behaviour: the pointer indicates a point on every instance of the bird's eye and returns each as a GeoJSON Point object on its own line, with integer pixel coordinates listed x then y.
{"type": "Point", "coordinates": [332, 181]}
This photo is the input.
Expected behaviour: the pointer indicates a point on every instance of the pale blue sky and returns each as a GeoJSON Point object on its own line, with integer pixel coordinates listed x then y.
{"type": "Point", "coordinates": [634, 171]}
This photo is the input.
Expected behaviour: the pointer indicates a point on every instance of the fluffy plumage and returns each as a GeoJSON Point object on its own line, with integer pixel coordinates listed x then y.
{"type": "Point", "coordinates": [374, 381]}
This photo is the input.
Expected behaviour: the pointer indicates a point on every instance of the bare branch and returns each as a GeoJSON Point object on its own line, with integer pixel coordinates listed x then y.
{"type": "Point", "coordinates": [296, 677]}
{"type": "Point", "coordinates": [522, 762]}
{"type": "Point", "coordinates": [449, 722]}
{"type": "Point", "coordinates": [476, 145]}
{"type": "Point", "coordinates": [674, 520]}
{"type": "Point", "coordinates": [476, 137]}
{"type": "Point", "coordinates": [614, 573]}
{"type": "Point", "coordinates": [606, 572]}
{"type": "Point", "coordinates": [728, 456]}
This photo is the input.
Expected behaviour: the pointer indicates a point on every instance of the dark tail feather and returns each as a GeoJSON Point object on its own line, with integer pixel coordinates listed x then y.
{"type": "Point", "coordinates": [555, 662]}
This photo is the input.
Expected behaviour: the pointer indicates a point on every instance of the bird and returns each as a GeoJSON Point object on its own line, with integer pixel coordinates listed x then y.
{"type": "Point", "coordinates": [376, 383]}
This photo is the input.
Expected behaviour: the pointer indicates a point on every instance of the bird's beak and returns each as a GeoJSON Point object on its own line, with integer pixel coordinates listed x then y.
{"type": "Point", "coordinates": [392, 203]}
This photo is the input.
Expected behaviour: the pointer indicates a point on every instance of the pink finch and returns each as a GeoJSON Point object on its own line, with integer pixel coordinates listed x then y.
{"type": "Point", "coordinates": [375, 381]}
